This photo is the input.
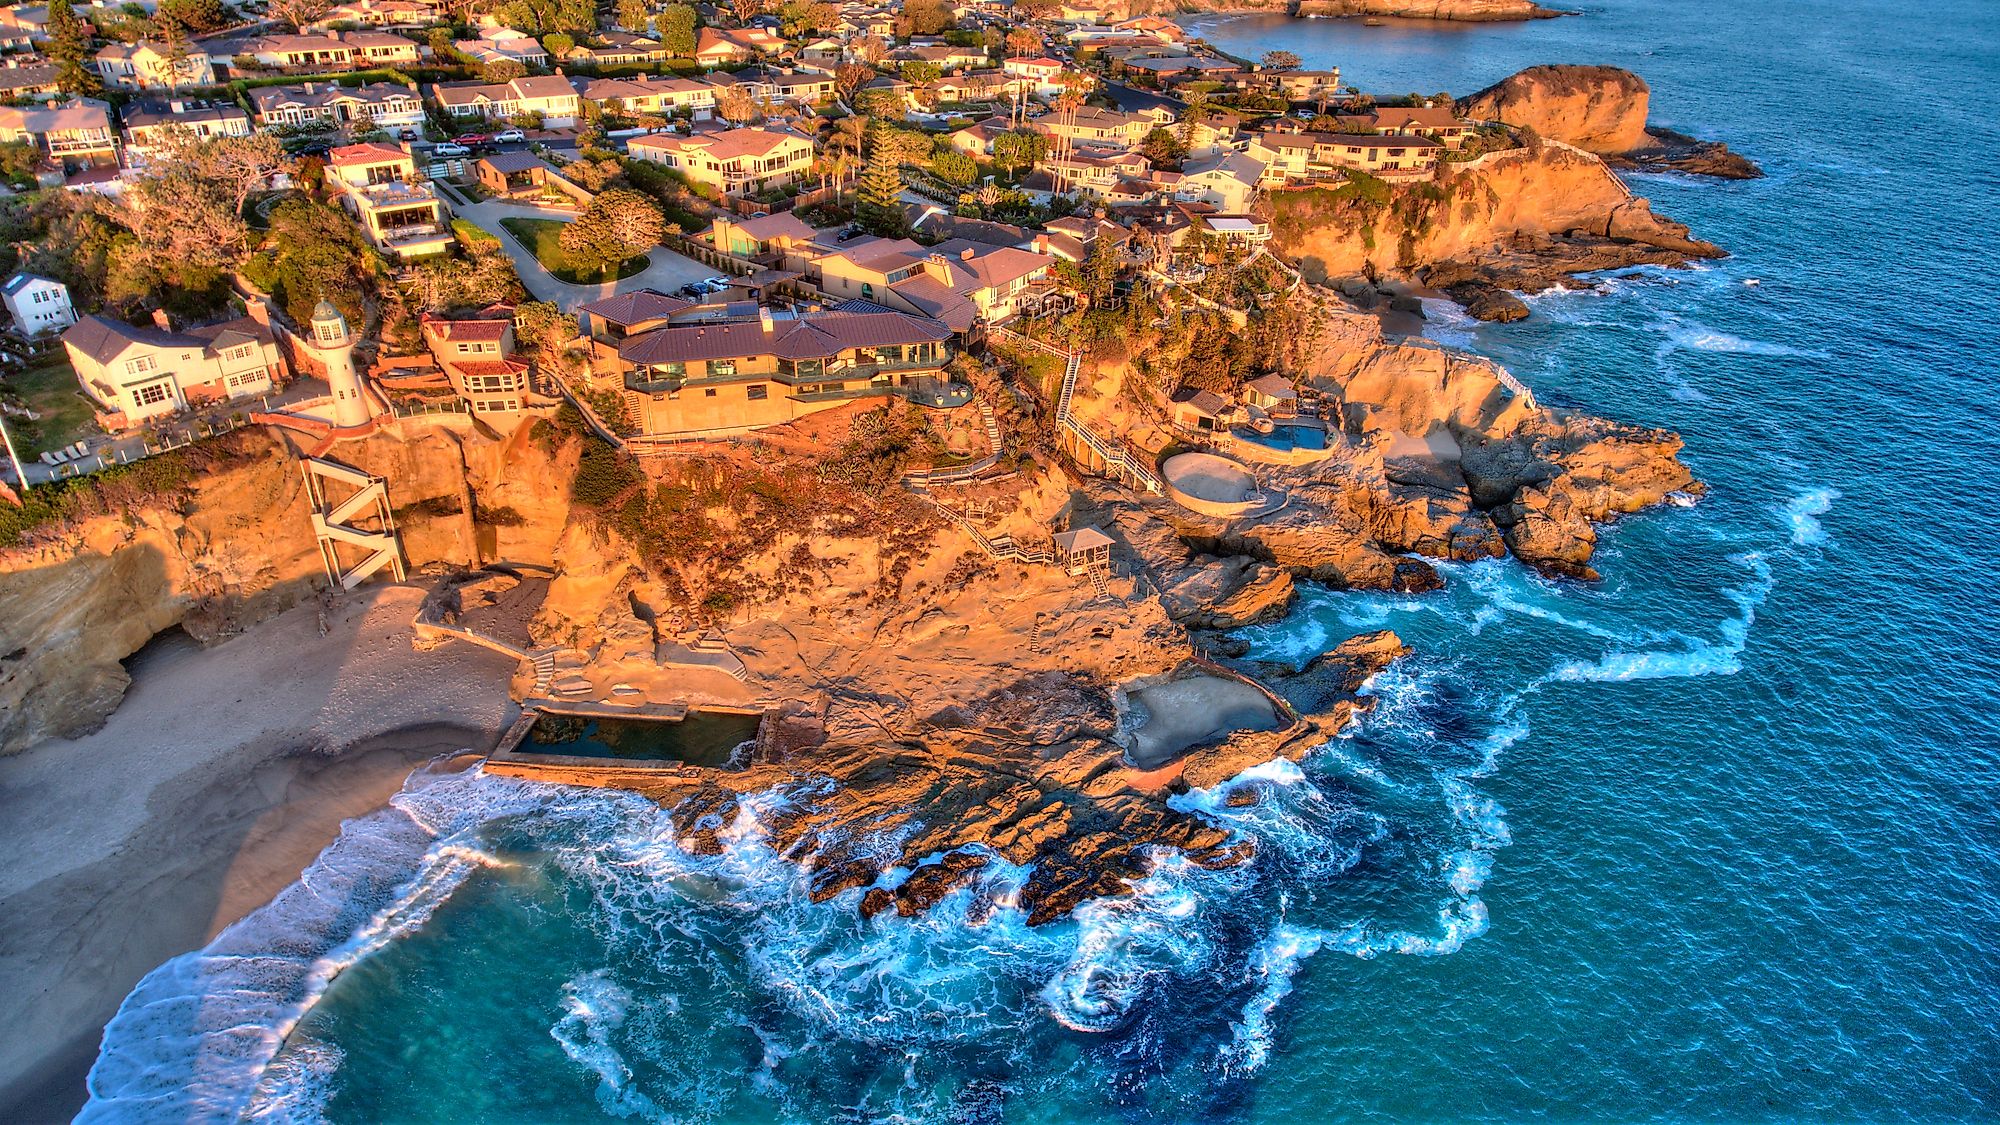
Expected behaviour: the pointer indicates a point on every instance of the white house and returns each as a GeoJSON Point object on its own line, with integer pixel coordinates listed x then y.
{"type": "Point", "coordinates": [37, 304]}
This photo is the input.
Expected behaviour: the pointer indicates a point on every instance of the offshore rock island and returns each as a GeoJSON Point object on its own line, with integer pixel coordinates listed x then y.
{"type": "Point", "coordinates": [918, 428]}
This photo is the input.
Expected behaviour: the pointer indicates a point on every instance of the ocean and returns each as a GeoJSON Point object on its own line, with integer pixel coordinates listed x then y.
{"type": "Point", "coordinates": [1713, 839]}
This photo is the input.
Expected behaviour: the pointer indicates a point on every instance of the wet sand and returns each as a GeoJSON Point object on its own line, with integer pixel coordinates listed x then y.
{"type": "Point", "coordinates": [220, 777]}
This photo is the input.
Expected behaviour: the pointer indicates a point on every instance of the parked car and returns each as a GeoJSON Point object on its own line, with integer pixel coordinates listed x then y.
{"type": "Point", "coordinates": [406, 135]}
{"type": "Point", "coordinates": [849, 235]}
{"type": "Point", "coordinates": [473, 139]}
{"type": "Point", "coordinates": [509, 137]}
{"type": "Point", "coordinates": [692, 291]}
{"type": "Point", "coordinates": [449, 149]}
{"type": "Point", "coordinates": [715, 284]}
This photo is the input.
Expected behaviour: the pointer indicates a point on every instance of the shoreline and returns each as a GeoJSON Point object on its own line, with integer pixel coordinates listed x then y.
{"type": "Point", "coordinates": [214, 784]}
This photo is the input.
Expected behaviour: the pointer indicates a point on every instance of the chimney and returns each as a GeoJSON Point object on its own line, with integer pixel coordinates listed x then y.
{"type": "Point", "coordinates": [965, 255]}
{"type": "Point", "coordinates": [764, 317]}
{"type": "Point", "coordinates": [161, 322]}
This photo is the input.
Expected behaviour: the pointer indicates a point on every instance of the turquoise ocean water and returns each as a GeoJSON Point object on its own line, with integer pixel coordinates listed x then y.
{"type": "Point", "coordinates": [1714, 839]}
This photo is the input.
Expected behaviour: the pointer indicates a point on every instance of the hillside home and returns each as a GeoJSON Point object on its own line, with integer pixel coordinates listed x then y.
{"type": "Point", "coordinates": [552, 96]}
{"type": "Point", "coordinates": [722, 46]}
{"type": "Point", "coordinates": [1302, 85]}
{"type": "Point", "coordinates": [477, 356]}
{"type": "Point", "coordinates": [773, 235]}
{"type": "Point", "coordinates": [642, 310]}
{"type": "Point", "coordinates": [384, 104]}
{"type": "Point", "coordinates": [297, 52]}
{"type": "Point", "coordinates": [1439, 123]}
{"type": "Point", "coordinates": [37, 304]}
{"type": "Point", "coordinates": [379, 48]}
{"type": "Point", "coordinates": [377, 13]}
{"type": "Point", "coordinates": [1228, 182]}
{"type": "Point", "coordinates": [1297, 157]}
{"type": "Point", "coordinates": [958, 281]}
{"type": "Point", "coordinates": [1093, 171]}
{"type": "Point", "coordinates": [147, 121]}
{"type": "Point", "coordinates": [400, 214]}
{"type": "Point", "coordinates": [1041, 77]}
{"type": "Point", "coordinates": [27, 78]}
{"type": "Point", "coordinates": [779, 86]}
{"type": "Point", "coordinates": [504, 45]}
{"type": "Point", "coordinates": [732, 160]}
{"type": "Point", "coordinates": [1104, 128]}
{"type": "Point", "coordinates": [648, 94]}
{"type": "Point", "coordinates": [617, 48]}
{"type": "Point", "coordinates": [135, 374]}
{"type": "Point", "coordinates": [741, 375]}
{"type": "Point", "coordinates": [147, 65]}
{"type": "Point", "coordinates": [75, 135]}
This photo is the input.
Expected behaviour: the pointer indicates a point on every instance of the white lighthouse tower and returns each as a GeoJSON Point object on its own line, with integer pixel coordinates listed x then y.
{"type": "Point", "coordinates": [333, 345]}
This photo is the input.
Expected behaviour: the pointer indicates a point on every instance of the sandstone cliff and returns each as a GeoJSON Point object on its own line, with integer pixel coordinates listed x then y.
{"type": "Point", "coordinates": [1601, 109]}
{"type": "Point", "coordinates": [1519, 219]}
{"type": "Point", "coordinates": [1465, 11]}
{"type": "Point", "coordinates": [233, 546]}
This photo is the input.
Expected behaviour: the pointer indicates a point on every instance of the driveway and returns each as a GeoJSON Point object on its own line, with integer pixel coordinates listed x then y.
{"type": "Point", "coordinates": [665, 270]}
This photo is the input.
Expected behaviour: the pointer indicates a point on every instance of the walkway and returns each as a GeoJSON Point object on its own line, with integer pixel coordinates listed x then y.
{"type": "Point", "coordinates": [665, 270]}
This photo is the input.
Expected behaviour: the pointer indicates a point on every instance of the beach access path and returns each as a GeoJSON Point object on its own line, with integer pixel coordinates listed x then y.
{"type": "Point", "coordinates": [665, 270]}
{"type": "Point", "coordinates": [219, 778]}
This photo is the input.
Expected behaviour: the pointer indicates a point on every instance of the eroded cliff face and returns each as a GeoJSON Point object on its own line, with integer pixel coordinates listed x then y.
{"type": "Point", "coordinates": [1515, 201]}
{"type": "Point", "coordinates": [1465, 11]}
{"type": "Point", "coordinates": [1601, 109]}
{"type": "Point", "coordinates": [232, 548]}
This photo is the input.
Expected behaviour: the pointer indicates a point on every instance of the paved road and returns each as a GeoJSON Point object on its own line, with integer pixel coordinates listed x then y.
{"type": "Point", "coordinates": [665, 270]}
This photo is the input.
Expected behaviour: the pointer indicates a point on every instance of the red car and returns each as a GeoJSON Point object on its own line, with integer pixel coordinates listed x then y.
{"type": "Point", "coordinates": [474, 139]}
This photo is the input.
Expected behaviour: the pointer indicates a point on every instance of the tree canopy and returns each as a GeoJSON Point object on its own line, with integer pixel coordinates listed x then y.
{"type": "Point", "coordinates": [619, 224]}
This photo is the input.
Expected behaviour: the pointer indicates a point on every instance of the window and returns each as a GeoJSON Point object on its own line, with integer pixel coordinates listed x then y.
{"type": "Point", "coordinates": [151, 394]}
{"type": "Point", "coordinates": [756, 392]}
{"type": "Point", "coordinates": [722, 367]}
{"type": "Point", "coordinates": [709, 393]}
{"type": "Point", "coordinates": [142, 364]}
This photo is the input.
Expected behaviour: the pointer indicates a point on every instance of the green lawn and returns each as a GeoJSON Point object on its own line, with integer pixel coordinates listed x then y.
{"type": "Point", "coordinates": [544, 237]}
{"type": "Point", "coordinates": [48, 387]}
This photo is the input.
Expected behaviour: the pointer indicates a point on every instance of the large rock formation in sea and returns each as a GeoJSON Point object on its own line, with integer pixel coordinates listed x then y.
{"type": "Point", "coordinates": [1521, 219]}
{"type": "Point", "coordinates": [1600, 109]}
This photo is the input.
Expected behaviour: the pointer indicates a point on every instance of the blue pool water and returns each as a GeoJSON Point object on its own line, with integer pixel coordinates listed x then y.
{"type": "Point", "coordinates": [1714, 839]}
{"type": "Point", "coordinates": [1285, 437]}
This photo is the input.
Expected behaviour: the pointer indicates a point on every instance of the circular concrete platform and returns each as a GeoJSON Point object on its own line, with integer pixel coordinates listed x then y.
{"type": "Point", "coordinates": [1212, 484]}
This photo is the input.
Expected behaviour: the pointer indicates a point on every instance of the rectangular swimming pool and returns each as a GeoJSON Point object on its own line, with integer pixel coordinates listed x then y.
{"type": "Point", "coordinates": [703, 738]}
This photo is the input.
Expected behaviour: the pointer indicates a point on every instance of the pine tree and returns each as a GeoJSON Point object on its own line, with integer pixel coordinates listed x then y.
{"type": "Point", "coordinates": [880, 185]}
{"type": "Point", "coordinates": [69, 47]}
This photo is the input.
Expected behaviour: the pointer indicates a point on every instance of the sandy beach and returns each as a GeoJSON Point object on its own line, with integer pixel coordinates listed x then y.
{"type": "Point", "coordinates": [220, 777]}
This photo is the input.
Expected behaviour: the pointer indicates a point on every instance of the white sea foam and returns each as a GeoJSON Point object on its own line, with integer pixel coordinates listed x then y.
{"type": "Point", "coordinates": [594, 1008]}
{"type": "Point", "coordinates": [1123, 944]}
{"type": "Point", "coordinates": [1696, 337]}
{"type": "Point", "coordinates": [1272, 966]}
{"type": "Point", "coordinates": [193, 1038]}
{"type": "Point", "coordinates": [1802, 513]}
{"type": "Point", "coordinates": [1697, 657]}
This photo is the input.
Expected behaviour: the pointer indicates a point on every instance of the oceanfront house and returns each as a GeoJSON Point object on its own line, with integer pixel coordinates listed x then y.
{"type": "Point", "coordinates": [147, 65]}
{"type": "Point", "coordinates": [504, 45]}
{"type": "Point", "coordinates": [1440, 123]}
{"type": "Point", "coordinates": [768, 368]}
{"type": "Point", "coordinates": [1273, 394]}
{"type": "Point", "coordinates": [1303, 85]}
{"type": "Point", "coordinates": [551, 96]}
{"type": "Point", "coordinates": [648, 94]}
{"type": "Point", "coordinates": [75, 135]}
{"type": "Point", "coordinates": [777, 86]}
{"type": "Point", "coordinates": [149, 120]}
{"type": "Point", "coordinates": [612, 319]}
{"type": "Point", "coordinates": [401, 214]}
{"type": "Point", "coordinates": [299, 53]}
{"type": "Point", "coordinates": [1199, 411]}
{"type": "Point", "coordinates": [384, 105]}
{"type": "Point", "coordinates": [1093, 171]}
{"type": "Point", "coordinates": [477, 356]}
{"type": "Point", "coordinates": [38, 304]}
{"type": "Point", "coordinates": [1233, 230]}
{"type": "Point", "coordinates": [136, 374]}
{"type": "Point", "coordinates": [959, 282]}
{"type": "Point", "coordinates": [770, 240]}
{"type": "Point", "coordinates": [1196, 68]}
{"type": "Point", "coordinates": [1305, 157]}
{"type": "Point", "coordinates": [733, 161]}
{"type": "Point", "coordinates": [979, 87]}
{"type": "Point", "coordinates": [1228, 182]}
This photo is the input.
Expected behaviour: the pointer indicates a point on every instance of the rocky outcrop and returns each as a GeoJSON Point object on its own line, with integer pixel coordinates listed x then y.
{"type": "Point", "coordinates": [1542, 210]}
{"type": "Point", "coordinates": [231, 547]}
{"type": "Point", "coordinates": [1031, 774]}
{"type": "Point", "coordinates": [1463, 11]}
{"type": "Point", "coordinates": [1601, 109]}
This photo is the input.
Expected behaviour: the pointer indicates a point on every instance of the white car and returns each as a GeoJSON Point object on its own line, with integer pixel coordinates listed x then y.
{"type": "Point", "coordinates": [509, 137]}
{"type": "Point", "coordinates": [449, 149]}
{"type": "Point", "coordinates": [715, 284]}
